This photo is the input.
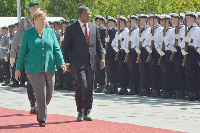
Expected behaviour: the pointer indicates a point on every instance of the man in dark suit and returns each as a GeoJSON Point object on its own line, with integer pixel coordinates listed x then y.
{"type": "Point", "coordinates": [81, 45]}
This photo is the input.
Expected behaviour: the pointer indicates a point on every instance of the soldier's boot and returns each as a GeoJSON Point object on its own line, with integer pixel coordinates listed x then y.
{"type": "Point", "coordinates": [131, 92]}
{"type": "Point", "coordinates": [175, 95]}
{"type": "Point", "coordinates": [165, 95]}
{"type": "Point", "coordinates": [155, 93]}
{"type": "Point", "coordinates": [193, 96]}
{"type": "Point", "coordinates": [33, 107]}
{"type": "Point", "coordinates": [181, 95]}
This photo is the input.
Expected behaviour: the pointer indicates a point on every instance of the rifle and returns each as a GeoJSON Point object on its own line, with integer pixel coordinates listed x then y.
{"type": "Point", "coordinates": [119, 45]}
{"type": "Point", "coordinates": [176, 41]}
{"type": "Point", "coordinates": [186, 44]}
{"type": "Point", "coordinates": [139, 58]}
{"type": "Point", "coordinates": [106, 44]}
{"type": "Point", "coordinates": [163, 45]}
{"type": "Point", "coordinates": [127, 58]}
{"type": "Point", "coordinates": [152, 41]}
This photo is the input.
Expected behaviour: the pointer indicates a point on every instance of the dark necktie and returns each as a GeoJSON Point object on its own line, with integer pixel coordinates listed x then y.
{"type": "Point", "coordinates": [86, 33]}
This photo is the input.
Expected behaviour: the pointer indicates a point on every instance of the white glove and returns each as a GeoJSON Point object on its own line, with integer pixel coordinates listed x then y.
{"type": "Point", "coordinates": [104, 51]}
{"type": "Point", "coordinates": [163, 39]}
{"type": "Point", "coordinates": [130, 39]}
{"type": "Point", "coordinates": [140, 39]}
{"type": "Point", "coordinates": [187, 39]}
{"type": "Point", "coordinates": [137, 50]}
{"type": "Point", "coordinates": [126, 50]}
{"type": "Point", "coordinates": [119, 37]}
{"type": "Point", "coordinates": [12, 61]}
{"type": "Point", "coordinates": [10, 41]}
{"type": "Point", "coordinates": [183, 52]}
{"type": "Point", "coordinates": [116, 49]}
{"type": "Point", "coordinates": [148, 49]}
{"type": "Point", "coordinates": [198, 50]}
{"type": "Point", "coordinates": [61, 38]}
{"type": "Point", "coordinates": [107, 39]}
{"type": "Point", "coordinates": [173, 49]}
{"type": "Point", "coordinates": [6, 59]}
{"type": "Point", "coordinates": [153, 38]}
{"type": "Point", "coordinates": [177, 36]}
{"type": "Point", "coordinates": [160, 52]}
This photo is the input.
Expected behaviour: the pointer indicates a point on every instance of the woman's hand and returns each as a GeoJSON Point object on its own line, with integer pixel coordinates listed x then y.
{"type": "Point", "coordinates": [17, 75]}
{"type": "Point", "coordinates": [64, 68]}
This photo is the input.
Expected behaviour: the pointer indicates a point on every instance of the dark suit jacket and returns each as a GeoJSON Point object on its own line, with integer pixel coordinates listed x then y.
{"type": "Point", "coordinates": [75, 47]}
{"type": "Point", "coordinates": [111, 33]}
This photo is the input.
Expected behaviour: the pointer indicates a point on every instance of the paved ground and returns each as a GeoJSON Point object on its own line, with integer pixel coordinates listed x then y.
{"type": "Point", "coordinates": [178, 115]}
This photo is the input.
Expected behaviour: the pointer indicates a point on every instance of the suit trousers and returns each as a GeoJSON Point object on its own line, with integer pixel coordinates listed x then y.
{"type": "Point", "coordinates": [84, 89]}
{"type": "Point", "coordinates": [43, 85]}
{"type": "Point", "coordinates": [192, 70]}
{"type": "Point", "coordinates": [144, 69]}
{"type": "Point", "coordinates": [181, 83]}
{"type": "Point", "coordinates": [167, 73]}
{"type": "Point", "coordinates": [156, 80]}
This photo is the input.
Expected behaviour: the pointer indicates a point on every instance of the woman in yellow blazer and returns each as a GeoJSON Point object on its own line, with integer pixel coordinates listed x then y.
{"type": "Point", "coordinates": [39, 49]}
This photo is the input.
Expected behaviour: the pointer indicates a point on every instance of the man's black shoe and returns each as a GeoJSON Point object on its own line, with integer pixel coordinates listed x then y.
{"type": "Point", "coordinates": [80, 117]}
{"type": "Point", "coordinates": [42, 123]}
{"type": "Point", "coordinates": [87, 118]}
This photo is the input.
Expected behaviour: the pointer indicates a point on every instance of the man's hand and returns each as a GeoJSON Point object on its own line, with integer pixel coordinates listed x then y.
{"type": "Point", "coordinates": [64, 68]}
{"type": "Point", "coordinates": [17, 75]}
{"type": "Point", "coordinates": [12, 61]}
{"type": "Point", "coordinates": [102, 64]}
{"type": "Point", "coordinates": [68, 68]}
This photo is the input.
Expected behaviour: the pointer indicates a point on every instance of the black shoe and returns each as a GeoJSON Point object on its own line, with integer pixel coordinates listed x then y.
{"type": "Point", "coordinates": [33, 110]}
{"type": "Point", "coordinates": [155, 93]}
{"type": "Point", "coordinates": [122, 91]}
{"type": "Point", "coordinates": [42, 123]}
{"type": "Point", "coordinates": [87, 118]}
{"type": "Point", "coordinates": [166, 95]}
{"type": "Point", "coordinates": [80, 117]}
{"type": "Point", "coordinates": [6, 84]}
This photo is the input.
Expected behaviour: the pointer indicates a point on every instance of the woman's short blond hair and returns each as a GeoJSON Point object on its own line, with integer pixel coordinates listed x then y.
{"type": "Point", "coordinates": [37, 14]}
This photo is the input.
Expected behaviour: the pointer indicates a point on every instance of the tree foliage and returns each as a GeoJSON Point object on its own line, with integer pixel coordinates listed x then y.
{"type": "Point", "coordinates": [68, 8]}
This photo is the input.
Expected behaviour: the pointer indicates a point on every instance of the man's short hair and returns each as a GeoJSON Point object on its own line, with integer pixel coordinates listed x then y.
{"type": "Point", "coordinates": [83, 8]}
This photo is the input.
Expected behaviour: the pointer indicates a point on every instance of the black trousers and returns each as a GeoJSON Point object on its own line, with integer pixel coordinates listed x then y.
{"type": "Point", "coordinates": [123, 70]}
{"type": "Point", "coordinates": [192, 70]}
{"type": "Point", "coordinates": [112, 70]}
{"type": "Point", "coordinates": [6, 70]}
{"type": "Point", "coordinates": [167, 73]}
{"type": "Point", "coordinates": [180, 81]}
{"type": "Point", "coordinates": [155, 74]}
{"type": "Point", "coordinates": [1, 70]}
{"type": "Point", "coordinates": [59, 76]}
{"type": "Point", "coordinates": [144, 69]}
{"type": "Point", "coordinates": [100, 76]}
{"type": "Point", "coordinates": [84, 89]}
{"type": "Point", "coordinates": [134, 71]}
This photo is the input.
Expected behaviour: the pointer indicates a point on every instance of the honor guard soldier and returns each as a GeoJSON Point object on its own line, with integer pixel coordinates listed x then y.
{"type": "Point", "coordinates": [100, 75]}
{"type": "Point", "coordinates": [144, 69]}
{"type": "Point", "coordinates": [167, 71]}
{"type": "Point", "coordinates": [112, 71]}
{"type": "Point", "coordinates": [121, 48]}
{"type": "Point", "coordinates": [1, 69]}
{"type": "Point", "coordinates": [4, 53]}
{"type": "Point", "coordinates": [134, 50]}
{"type": "Point", "coordinates": [172, 22]}
{"type": "Point", "coordinates": [16, 26]}
{"type": "Point", "coordinates": [177, 57]}
{"type": "Point", "coordinates": [25, 23]}
{"type": "Point", "coordinates": [192, 67]}
{"type": "Point", "coordinates": [156, 43]}
{"type": "Point", "coordinates": [59, 73]}
{"type": "Point", "coordinates": [12, 34]}
{"type": "Point", "coordinates": [51, 24]}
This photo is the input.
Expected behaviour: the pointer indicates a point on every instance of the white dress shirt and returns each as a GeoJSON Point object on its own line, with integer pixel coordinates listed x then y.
{"type": "Point", "coordinates": [83, 27]}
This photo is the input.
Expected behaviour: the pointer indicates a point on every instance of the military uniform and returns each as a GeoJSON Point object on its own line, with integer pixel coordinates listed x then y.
{"type": "Point", "coordinates": [4, 53]}
{"type": "Point", "coordinates": [122, 66]}
{"type": "Point", "coordinates": [112, 71]}
{"type": "Point", "coordinates": [100, 76]}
